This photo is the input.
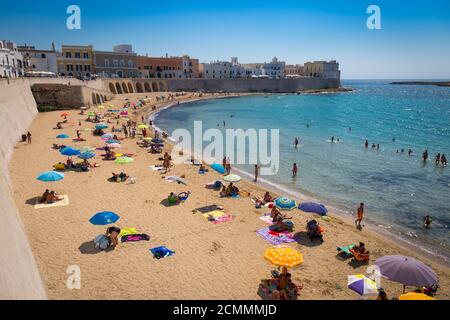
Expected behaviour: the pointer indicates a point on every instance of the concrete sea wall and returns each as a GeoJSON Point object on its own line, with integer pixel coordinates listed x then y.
{"type": "Point", "coordinates": [252, 85]}
{"type": "Point", "coordinates": [19, 276]}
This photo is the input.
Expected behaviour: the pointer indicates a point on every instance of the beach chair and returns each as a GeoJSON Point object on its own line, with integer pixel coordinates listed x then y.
{"type": "Point", "coordinates": [360, 257]}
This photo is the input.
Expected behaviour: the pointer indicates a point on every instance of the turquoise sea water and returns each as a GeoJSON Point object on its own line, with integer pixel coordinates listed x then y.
{"type": "Point", "coordinates": [397, 189]}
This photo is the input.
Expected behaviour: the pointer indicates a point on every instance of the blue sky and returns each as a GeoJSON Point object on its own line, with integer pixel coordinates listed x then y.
{"type": "Point", "coordinates": [414, 41]}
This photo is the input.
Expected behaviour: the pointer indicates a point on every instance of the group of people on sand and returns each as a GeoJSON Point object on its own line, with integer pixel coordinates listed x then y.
{"type": "Point", "coordinates": [230, 191]}
{"type": "Point", "coordinates": [49, 197]}
{"type": "Point", "coordinates": [226, 163]}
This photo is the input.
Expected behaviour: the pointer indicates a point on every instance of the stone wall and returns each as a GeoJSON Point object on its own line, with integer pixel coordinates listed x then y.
{"type": "Point", "coordinates": [19, 276]}
{"type": "Point", "coordinates": [251, 85]}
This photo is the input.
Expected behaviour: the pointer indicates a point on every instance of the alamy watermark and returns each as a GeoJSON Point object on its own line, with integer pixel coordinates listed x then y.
{"type": "Point", "coordinates": [73, 22]}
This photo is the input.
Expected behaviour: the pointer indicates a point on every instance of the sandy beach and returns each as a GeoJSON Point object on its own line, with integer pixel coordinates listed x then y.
{"type": "Point", "coordinates": [223, 261]}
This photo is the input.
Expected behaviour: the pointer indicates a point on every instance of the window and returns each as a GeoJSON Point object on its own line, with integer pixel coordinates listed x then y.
{"type": "Point", "coordinates": [68, 54]}
{"type": "Point", "coordinates": [115, 63]}
{"type": "Point", "coordinates": [122, 63]}
{"type": "Point", "coordinates": [43, 56]}
{"type": "Point", "coordinates": [85, 55]}
{"type": "Point", "coordinates": [107, 63]}
{"type": "Point", "coordinates": [77, 55]}
{"type": "Point", "coordinates": [130, 63]}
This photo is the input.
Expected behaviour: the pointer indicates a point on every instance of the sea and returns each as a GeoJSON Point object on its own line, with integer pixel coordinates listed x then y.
{"type": "Point", "coordinates": [397, 188]}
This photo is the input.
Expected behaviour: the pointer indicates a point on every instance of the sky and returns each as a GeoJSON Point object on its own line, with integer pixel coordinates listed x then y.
{"type": "Point", "coordinates": [413, 42]}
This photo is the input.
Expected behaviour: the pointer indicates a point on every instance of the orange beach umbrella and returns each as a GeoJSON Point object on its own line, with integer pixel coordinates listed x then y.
{"type": "Point", "coordinates": [283, 256]}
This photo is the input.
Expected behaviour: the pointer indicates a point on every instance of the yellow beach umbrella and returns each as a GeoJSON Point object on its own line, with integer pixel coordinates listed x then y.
{"type": "Point", "coordinates": [142, 126]}
{"type": "Point", "coordinates": [101, 107]}
{"type": "Point", "coordinates": [415, 296]}
{"type": "Point", "coordinates": [118, 155]}
{"type": "Point", "coordinates": [283, 256]}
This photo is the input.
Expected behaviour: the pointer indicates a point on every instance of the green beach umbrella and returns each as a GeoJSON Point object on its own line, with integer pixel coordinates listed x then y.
{"type": "Point", "coordinates": [123, 160]}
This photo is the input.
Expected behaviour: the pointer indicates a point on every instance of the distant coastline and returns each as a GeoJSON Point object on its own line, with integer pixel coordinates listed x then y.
{"type": "Point", "coordinates": [424, 83]}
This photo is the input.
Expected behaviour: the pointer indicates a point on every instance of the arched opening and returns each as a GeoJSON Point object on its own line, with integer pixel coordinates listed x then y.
{"type": "Point", "coordinates": [139, 87]}
{"type": "Point", "coordinates": [155, 86]}
{"type": "Point", "coordinates": [112, 88]}
{"type": "Point", "coordinates": [94, 99]}
{"type": "Point", "coordinates": [124, 87]}
{"type": "Point", "coordinates": [130, 88]}
{"type": "Point", "coordinates": [118, 88]}
{"type": "Point", "coordinates": [162, 86]}
{"type": "Point", "coordinates": [98, 98]}
{"type": "Point", "coordinates": [147, 87]}
{"type": "Point", "coordinates": [105, 98]}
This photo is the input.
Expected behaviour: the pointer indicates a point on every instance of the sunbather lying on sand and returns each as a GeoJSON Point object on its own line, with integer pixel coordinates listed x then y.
{"type": "Point", "coordinates": [267, 198]}
{"type": "Point", "coordinates": [52, 197]}
{"type": "Point", "coordinates": [44, 196]}
{"type": "Point", "coordinates": [232, 190]}
{"type": "Point", "coordinates": [121, 177]}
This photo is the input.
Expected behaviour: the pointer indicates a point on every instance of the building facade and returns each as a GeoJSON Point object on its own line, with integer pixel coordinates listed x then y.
{"type": "Point", "coordinates": [76, 61]}
{"type": "Point", "coordinates": [216, 70]}
{"type": "Point", "coordinates": [40, 60]}
{"type": "Point", "coordinates": [322, 69]}
{"type": "Point", "coordinates": [294, 70]}
{"type": "Point", "coordinates": [122, 62]}
{"type": "Point", "coordinates": [168, 67]}
{"type": "Point", "coordinates": [11, 60]}
{"type": "Point", "coordinates": [274, 69]}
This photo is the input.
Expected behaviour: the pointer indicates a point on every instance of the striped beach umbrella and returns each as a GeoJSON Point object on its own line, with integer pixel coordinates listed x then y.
{"type": "Point", "coordinates": [362, 285]}
{"type": "Point", "coordinates": [285, 203]}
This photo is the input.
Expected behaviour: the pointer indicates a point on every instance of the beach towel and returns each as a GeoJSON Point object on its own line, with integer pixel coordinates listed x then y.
{"type": "Point", "coordinates": [63, 202]}
{"type": "Point", "coordinates": [127, 231]}
{"type": "Point", "coordinates": [222, 219]}
{"type": "Point", "coordinates": [209, 208]}
{"type": "Point", "coordinates": [346, 249]}
{"type": "Point", "coordinates": [267, 218]}
{"type": "Point", "coordinates": [156, 168]}
{"type": "Point", "coordinates": [161, 252]}
{"type": "Point", "coordinates": [135, 237]}
{"type": "Point", "coordinates": [275, 238]}
{"type": "Point", "coordinates": [213, 215]}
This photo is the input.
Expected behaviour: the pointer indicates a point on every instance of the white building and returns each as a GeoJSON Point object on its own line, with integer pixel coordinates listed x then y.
{"type": "Point", "coordinates": [40, 60]}
{"type": "Point", "coordinates": [216, 70]}
{"type": "Point", "coordinates": [11, 61]}
{"type": "Point", "coordinates": [274, 69]}
{"type": "Point", "coordinates": [123, 48]}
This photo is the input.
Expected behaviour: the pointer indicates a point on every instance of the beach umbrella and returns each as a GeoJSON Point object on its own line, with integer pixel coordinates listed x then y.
{"type": "Point", "coordinates": [86, 129]}
{"type": "Point", "coordinates": [101, 126]}
{"type": "Point", "coordinates": [114, 145]}
{"type": "Point", "coordinates": [50, 176]}
{"type": "Point", "coordinates": [86, 149]}
{"type": "Point", "coordinates": [285, 203]}
{"type": "Point", "coordinates": [104, 218]}
{"type": "Point", "coordinates": [362, 285]}
{"type": "Point", "coordinates": [124, 113]}
{"type": "Point", "coordinates": [83, 108]}
{"type": "Point", "coordinates": [283, 256]}
{"type": "Point", "coordinates": [111, 141]}
{"type": "Point", "coordinates": [142, 126]}
{"type": "Point", "coordinates": [62, 136]}
{"type": "Point", "coordinates": [157, 140]}
{"type": "Point", "coordinates": [176, 179]}
{"type": "Point", "coordinates": [313, 207]}
{"type": "Point", "coordinates": [91, 114]}
{"type": "Point", "coordinates": [86, 155]}
{"type": "Point", "coordinates": [64, 114]}
{"type": "Point", "coordinates": [232, 178]}
{"type": "Point", "coordinates": [111, 106]}
{"type": "Point", "coordinates": [123, 160]}
{"type": "Point", "coordinates": [117, 155]}
{"type": "Point", "coordinates": [101, 107]}
{"type": "Point", "coordinates": [108, 136]}
{"type": "Point", "coordinates": [407, 271]}
{"type": "Point", "coordinates": [415, 296]}
{"type": "Point", "coordinates": [218, 167]}
{"type": "Point", "coordinates": [69, 151]}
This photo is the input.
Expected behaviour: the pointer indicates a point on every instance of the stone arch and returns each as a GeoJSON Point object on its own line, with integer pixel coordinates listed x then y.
{"type": "Point", "coordinates": [98, 98]}
{"type": "Point", "coordinates": [118, 88]}
{"type": "Point", "coordinates": [105, 98]}
{"type": "Point", "coordinates": [124, 87]}
{"type": "Point", "coordinates": [147, 87]}
{"type": "Point", "coordinates": [112, 88]}
{"type": "Point", "coordinates": [162, 86]}
{"type": "Point", "coordinates": [94, 99]}
{"type": "Point", "coordinates": [130, 88]}
{"type": "Point", "coordinates": [155, 86]}
{"type": "Point", "coordinates": [139, 87]}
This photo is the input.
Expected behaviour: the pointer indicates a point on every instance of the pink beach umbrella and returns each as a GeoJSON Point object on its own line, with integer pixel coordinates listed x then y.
{"type": "Point", "coordinates": [114, 146]}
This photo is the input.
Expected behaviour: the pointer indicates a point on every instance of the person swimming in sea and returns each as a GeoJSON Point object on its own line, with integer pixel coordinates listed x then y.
{"type": "Point", "coordinates": [410, 152]}
{"type": "Point", "coordinates": [443, 160]}
{"type": "Point", "coordinates": [366, 144]}
{"type": "Point", "coordinates": [437, 159]}
{"type": "Point", "coordinates": [425, 155]}
{"type": "Point", "coordinates": [296, 141]}
{"type": "Point", "coordinates": [427, 221]}
{"type": "Point", "coordinates": [332, 139]}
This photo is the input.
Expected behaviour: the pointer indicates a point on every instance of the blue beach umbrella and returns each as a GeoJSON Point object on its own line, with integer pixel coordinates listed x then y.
{"type": "Point", "coordinates": [112, 141]}
{"type": "Point", "coordinates": [157, 140]}
{"type": "Point", "coordinates": [104, 218]}
{"type": "Point", "coordinates": [69, 151]}
{"type": "Point", "coordinates": [108, 136]}
{"type": "Point", "coordinates": [101, 126]}
{"type": "Point", "coordinates": [218, 167]}
{"type": "Point", "coordinates": [86, 155]}
{"type": "Point", "coordinates": [62, 136]}
{"type": "Point", "coordinates": [50, 176]}
{"type": "Point", "coordinates": [313, 207]}
{"type": "Point", "coordinates": [285, 203]}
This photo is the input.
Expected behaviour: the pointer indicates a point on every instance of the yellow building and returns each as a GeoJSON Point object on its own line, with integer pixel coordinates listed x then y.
{"type": "Point", "coordinates": [76, 61]}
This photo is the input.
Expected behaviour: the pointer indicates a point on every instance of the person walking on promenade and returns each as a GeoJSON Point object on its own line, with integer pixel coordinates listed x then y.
{"type": "Point", "coordinates": [256, 172]}
{"type": "Point", "coordinates": [29, 137]}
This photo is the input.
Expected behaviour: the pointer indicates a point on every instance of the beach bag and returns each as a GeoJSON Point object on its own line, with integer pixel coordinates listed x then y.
{"type": "Point", "coordinates": [135, 237]}
{"type": "Point", "coordinates": [101, 242]}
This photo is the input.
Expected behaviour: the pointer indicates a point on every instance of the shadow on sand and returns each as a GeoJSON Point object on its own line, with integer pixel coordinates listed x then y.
{"type": "Point", "coordinates": [89, 248]}
{"type": "Point", "coordinates": [303, 239]}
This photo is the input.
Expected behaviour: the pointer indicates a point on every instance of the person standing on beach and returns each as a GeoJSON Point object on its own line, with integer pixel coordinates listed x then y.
{"type": "Point", "coordinates": [224, 163]}
{"type": "Point", "coordinates": [296, 143]}
{"type": "Point", "coordinates": [228, 166]}
{"type": "Point", "coordinates": [78, 134]}
{"type": "Point", "coordinates": [294, 170]}
{"type": "Point", "coordinates": [29, 137]}
{"type": "Point", "coordinates": [360, 215]}
{"type": "Point", "coordinates": [256, 172]}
